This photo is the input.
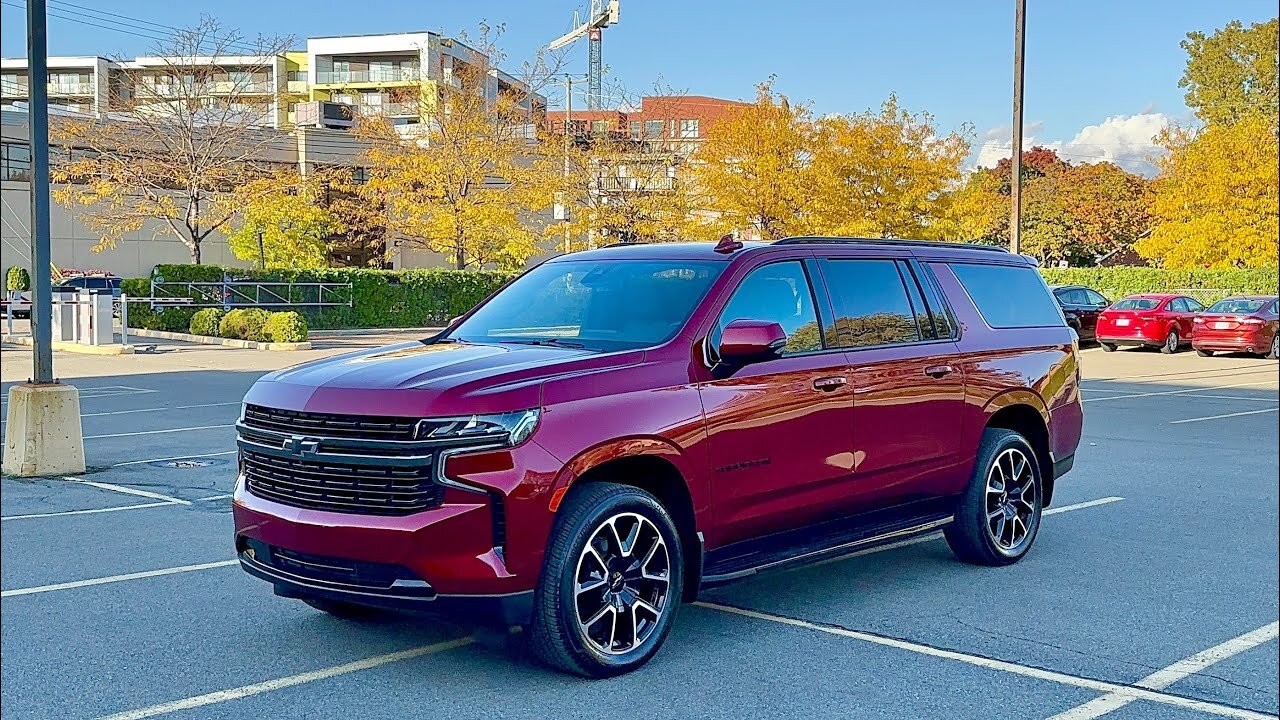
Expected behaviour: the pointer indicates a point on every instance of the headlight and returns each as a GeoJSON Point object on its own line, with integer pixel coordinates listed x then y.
{"type": "Point", "coordinates": [509, 429]}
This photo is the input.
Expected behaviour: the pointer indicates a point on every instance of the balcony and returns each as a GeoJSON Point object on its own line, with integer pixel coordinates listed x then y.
{"type": "Point", "coordinates": [73, 89]}
{"type": "Point", "coordinates": [10, 88]}
{"type": "Point", "coordinates": [390, 109]}
{"type": "Point", "coordinates": [298, 87]}
{"type": "Point", "coordinates": [345, 77]}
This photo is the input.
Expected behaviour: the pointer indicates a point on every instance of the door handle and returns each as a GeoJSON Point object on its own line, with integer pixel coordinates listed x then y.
{"type": "Point", "coordinates": [827, 384]}
{"type": "Point", "coordinates": [938, 371]}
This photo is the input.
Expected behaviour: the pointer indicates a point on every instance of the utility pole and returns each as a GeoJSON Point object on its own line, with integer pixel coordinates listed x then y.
{"type": "Point", "coordinates": [568, 120]}
{"type": "Point", "coordinates": [1019, 51]}
{"type": "Point", "coordinates": [43, 435]}
{"type": "Point", "coordinates": [38, 130]}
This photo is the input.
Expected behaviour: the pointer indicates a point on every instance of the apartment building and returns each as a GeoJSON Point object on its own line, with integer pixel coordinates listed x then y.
{"type": "Point", "coordinates": [78, 84]}
{"type": "Point", "coordinates": [672, 122]}
{"type": "Point", "coordinates": [388, 75]}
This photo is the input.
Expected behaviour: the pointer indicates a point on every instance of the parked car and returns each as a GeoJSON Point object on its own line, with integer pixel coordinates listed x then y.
{"type": "Point", "coordinates": [1245, 323]}
{"type": "Point", "coordinates": [1149, 320]}
{"type": "Point", "coordinates": [618, 429]}
{"type": "Point", "coordinates": [1081, 306]}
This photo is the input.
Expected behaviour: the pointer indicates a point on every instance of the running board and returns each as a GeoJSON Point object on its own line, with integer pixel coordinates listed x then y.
{"type": "Point", "coordinates": [822, 542]}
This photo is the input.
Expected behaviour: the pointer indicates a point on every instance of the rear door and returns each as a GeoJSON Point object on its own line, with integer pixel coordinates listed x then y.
{"type": "Point", "coordinates": [1184, 311]}
{"type": "Point", "coordinates": [780, 432]}
{"type": "Point", "coordinates": [1095, 303]}
{"type": "Point", "coordinates": [907, 380]}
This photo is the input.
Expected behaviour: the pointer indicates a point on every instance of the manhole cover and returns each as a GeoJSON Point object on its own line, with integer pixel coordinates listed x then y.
{"type": "Point", "coordinates": [187, 463]}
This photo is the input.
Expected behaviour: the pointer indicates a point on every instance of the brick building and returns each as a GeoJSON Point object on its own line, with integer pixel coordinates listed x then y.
{"type": "Point", "coordinates": [679, 122]}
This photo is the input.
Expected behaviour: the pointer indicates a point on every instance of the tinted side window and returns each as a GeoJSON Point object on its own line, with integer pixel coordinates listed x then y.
{"type": "Point", "coordinates": [1178, 305]}
{"type": "Point", "coordinates": [1009, 296]}
{"type": "Point", "coordinates": [1193, 305]}
{"type": "Point", "coordinates": [937, 306]}
{"type": "Point", "coordinates": [1095, 298]}
{"type": "Point", "coordinates": [871, 304]}
{"type": "Point", "coordinates": [1074, 296]}
{"type": "Point", "coordinates": [779, 293]}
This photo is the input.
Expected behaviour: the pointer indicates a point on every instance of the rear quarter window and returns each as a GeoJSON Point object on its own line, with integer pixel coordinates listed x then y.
{"type": "Point", "coordinates": [1009, 296]}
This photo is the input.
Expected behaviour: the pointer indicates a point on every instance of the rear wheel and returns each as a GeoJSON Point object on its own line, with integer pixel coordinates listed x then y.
{"type": "Point", "coordinates": [610, 584]}
{"type": "Point", "coordinates": [1172, 343]}
{"type": "Point", "coordinates": [999, 513]}
{"type": "Point", "coordinates": [1108, 347]}
{"type": "Point", "coordinates": [1275, 347]}
{"type": "Point", "coordinates": [1204, 353]}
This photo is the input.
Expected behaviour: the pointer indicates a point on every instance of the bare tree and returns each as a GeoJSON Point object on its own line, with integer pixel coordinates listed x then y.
{"type": "Point", "coordinates": [186, 127]}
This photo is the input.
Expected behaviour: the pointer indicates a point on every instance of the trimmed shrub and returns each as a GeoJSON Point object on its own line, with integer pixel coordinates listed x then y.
{"type": "Point", "coordinates": [17, 279]}
{"type": "Point", "coordinates": [206, 321]}
{"type": "Point", "coordinates": [285, 327]}
{"type": "Point", "coordinates": [244, 324]}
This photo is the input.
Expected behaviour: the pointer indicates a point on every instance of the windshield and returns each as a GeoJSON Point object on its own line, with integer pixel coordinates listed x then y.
{"type": "Point", "coordinates": [1136, 304]}
{"type": "Point", "coordinates": [615, 305]}
{"type": "Point", "coordinates": [1236, 305]}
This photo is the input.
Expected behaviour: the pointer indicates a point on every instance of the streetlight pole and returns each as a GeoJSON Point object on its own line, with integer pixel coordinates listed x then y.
{"type": "Point", "coordinates": [38, 128]}
{"type": "Point", "coordinates": [568, 120]}
{"type": "Point", "coordinates": [1019, 50]}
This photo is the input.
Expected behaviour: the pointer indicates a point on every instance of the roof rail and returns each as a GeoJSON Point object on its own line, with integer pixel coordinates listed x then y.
{"type": "Point", "coordinates": [887, 241]}
{"type": "Point", "coordinates": [623, 243]}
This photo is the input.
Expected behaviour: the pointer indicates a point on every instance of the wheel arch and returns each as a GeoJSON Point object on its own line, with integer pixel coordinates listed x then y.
{"type": "Point", "coordinates": [1025, 413]}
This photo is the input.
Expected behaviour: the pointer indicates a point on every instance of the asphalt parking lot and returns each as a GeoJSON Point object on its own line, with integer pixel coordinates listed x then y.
{"type": "Point", "coordinates": [1151, 592]}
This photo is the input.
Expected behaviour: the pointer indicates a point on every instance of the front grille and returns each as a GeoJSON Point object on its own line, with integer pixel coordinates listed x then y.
{"type": "Point", "coordinates": [320, 484]}
{"type": "Point", "coordinates": [356, 427]}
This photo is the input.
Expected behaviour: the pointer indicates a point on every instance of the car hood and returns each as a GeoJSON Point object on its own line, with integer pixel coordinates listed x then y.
{"type": "Point", "coordinates": [428, 379]}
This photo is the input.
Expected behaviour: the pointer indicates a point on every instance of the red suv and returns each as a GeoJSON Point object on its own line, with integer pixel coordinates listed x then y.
{"type": "Point", "coordinates": [618, 428]}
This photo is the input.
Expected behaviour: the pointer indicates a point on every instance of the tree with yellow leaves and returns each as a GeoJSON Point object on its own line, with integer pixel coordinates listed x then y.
{"type": "Point", "coordinates": [187, 136]}
{"type": "Point", "coordinates": [284, 222]}
{"type": "Point", "coordinates": [1216, 200]}
{"type": "Point", "coordinates": [1232, 73]}
{"type": "Point", "coordinates": [467, 181]}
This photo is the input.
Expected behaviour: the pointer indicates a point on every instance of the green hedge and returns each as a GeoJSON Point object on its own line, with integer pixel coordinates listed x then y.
{"type": "Point", "coordinates": [285, 327]}
{"type": "Point", "coordinates": [1205, 285]}
{"type": "Point", "coordinates": [380, 298]}
{"type": "Point", "coordinates": [17, 279]}
{"type": "Point", "coordinates": [245, 324]}
{"type": "Point", "coordinates": [206, 322]}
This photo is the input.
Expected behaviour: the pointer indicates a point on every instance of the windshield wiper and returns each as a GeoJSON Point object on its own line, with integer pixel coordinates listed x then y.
{"type": "Point", "coordinates": [552, 342]}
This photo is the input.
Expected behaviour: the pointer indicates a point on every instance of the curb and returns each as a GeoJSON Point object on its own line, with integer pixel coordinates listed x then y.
{"type": "Point", "coordinates": [373, 331]}
{"type": "Point", "coordinates": [112, 349]}
{"type": "Point", "coordinates": [229, 342]}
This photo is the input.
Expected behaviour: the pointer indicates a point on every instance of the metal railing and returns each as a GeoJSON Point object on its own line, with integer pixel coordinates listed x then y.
{"type": "Point", "coordinates": [400, 74]}
{"type": "Point", "coordinates": [73, 88]}
{"type": "Point", "coordinates": [232, 293]}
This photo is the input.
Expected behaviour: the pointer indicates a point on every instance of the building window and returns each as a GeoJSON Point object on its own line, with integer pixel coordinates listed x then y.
{"type": "Point", "coordinates": [636, 128]}
{"type": "Point", "coordinates": [297, 76]}
{"type": "Point", "coordinates": [689, 128]}
{"type": "Point", "coordinates": [15, 162]}
{"type": "Point", "coordinates": [653, 128]}
{"type": "Point", "coordinates": [599, 127]}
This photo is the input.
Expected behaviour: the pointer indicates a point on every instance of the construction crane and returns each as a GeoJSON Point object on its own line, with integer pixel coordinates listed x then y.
{"type": "Point", "coordinates": [601, 16]}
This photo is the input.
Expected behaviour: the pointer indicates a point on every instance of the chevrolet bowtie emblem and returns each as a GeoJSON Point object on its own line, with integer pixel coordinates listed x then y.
{"type": "Point", "coordinates": [301, 445]}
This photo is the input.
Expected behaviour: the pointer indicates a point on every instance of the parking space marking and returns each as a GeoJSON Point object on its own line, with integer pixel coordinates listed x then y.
{"type": "Point", "coordinates": [115, 578]}
{"type": "Point", "coordinates": [90, 393]}
{"type": "Point", "coordinates": [280, 683]}
{"type": "Point", "coordinates": [1224, 415]}
{"type": "Point", "coordinates": [160, 409]}
{"type": "Point", "coordinates": [1179, 392]}
{"type": "Point", "coordinates": [94, 511]}
{"type": "Point", "coordinates": [176, 457]}
{"type": "Point", "coordinates": [129, 491]}
{"type": "Point", "coordinates": [938, 536]}
{"type": "Point", "coordinates": [1161, 679]}
{"type": "Point", "coordinates": [216, 497]}
{"type": "Point", "coordinates": [1127, 691]}
{"type": "Point", "coordinates": [157, 432]}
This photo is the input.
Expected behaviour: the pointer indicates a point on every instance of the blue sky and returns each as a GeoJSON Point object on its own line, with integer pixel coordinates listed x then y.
{"type": "Point", "coordinates": [1087, 60]}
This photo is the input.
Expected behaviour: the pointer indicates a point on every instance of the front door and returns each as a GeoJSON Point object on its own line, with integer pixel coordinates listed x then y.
{"type": "Point", "coordinates": [907, 378]}
{"type": "Point", "coordinates": [779, 431]}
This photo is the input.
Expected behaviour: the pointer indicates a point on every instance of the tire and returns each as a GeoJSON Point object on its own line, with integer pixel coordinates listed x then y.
{"type": "Point", "coordinates": [1108, 347]}
{"type": "Point", "coordinates": [1172, 343]}
{"type": "Point", "coordinates": [977, 536]}
{"type": "Point", "coordinates": [1204, 353]}
{"type": "Point", "coordinates": [1275, 347]}
{"type": "Point", "coordinates": [593, 586]}
{"type": "Point", "coordinates": [344, 610]}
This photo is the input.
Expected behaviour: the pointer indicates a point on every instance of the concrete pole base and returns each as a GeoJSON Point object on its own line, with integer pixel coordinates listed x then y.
{"type": "Point", "coordinates": [43, 435]}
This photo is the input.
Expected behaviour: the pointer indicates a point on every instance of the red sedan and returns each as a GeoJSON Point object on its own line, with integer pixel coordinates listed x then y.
{"type": "Point", "coordinates": [1151, 320]}
{"type": "Point", "coordinates": [1239, 324]}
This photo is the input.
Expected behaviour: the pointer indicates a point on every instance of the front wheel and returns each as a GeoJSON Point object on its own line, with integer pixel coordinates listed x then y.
{"type": "Point", "coordinates": [999, 513]}
{"type": "Point", "coordinates": [611, 582]}
{"type": "Point", "coordinates": [1108, 347]}
{"type": "Point", "coordinates": [1172, 343]}
{"type": "Point", "coordinates": [1275, 347]}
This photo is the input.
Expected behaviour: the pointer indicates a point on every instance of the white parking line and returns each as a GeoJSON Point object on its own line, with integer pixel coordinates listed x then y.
{"type": "Point", "coordinates": [116, 578]}
{"type": "Point", "coordinates": [94, 511]}
{"type": "Point", "coordinates": [176, 457]}
{"type": "Point", "coordinates": [1179, 392]}
{"type": "Point", "coordinates": [157, 432]}
{"type": "Point", "coordinates": [1161, 679]}
{"type": "Point", "coordinates": [160, 409]}
{"type": "Point", "coordinates": [284, 682]}
{"type": "Point", "coordinates": [129, 491]}
{"type": "Point", "coordinates": [1225, 415]}
{"type": "Point", "coordinates": [938, 536]}
{"type": "Point", "coordinates": [216, 497]}
{"type": "Point", "coordinates": [89, 393]}
{"type": "Point", "coordinates": [1127, 691]}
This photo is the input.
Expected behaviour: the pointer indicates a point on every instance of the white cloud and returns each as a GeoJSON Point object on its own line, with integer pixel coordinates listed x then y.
{"type": "Point", "coordinates": [1126, 140]}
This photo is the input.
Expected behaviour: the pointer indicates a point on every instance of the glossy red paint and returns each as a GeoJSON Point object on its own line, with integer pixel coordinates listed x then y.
{"type": "Point", "coordinates": [1149, 326]}
{"type": "Point", "coordinates": [752, 449]}
{"type": "Point", "coordinates": [1239, 332]}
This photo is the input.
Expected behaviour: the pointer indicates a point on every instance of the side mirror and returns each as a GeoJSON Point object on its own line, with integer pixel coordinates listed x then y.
{"type": "Point", "coordinates": [748, 341]}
